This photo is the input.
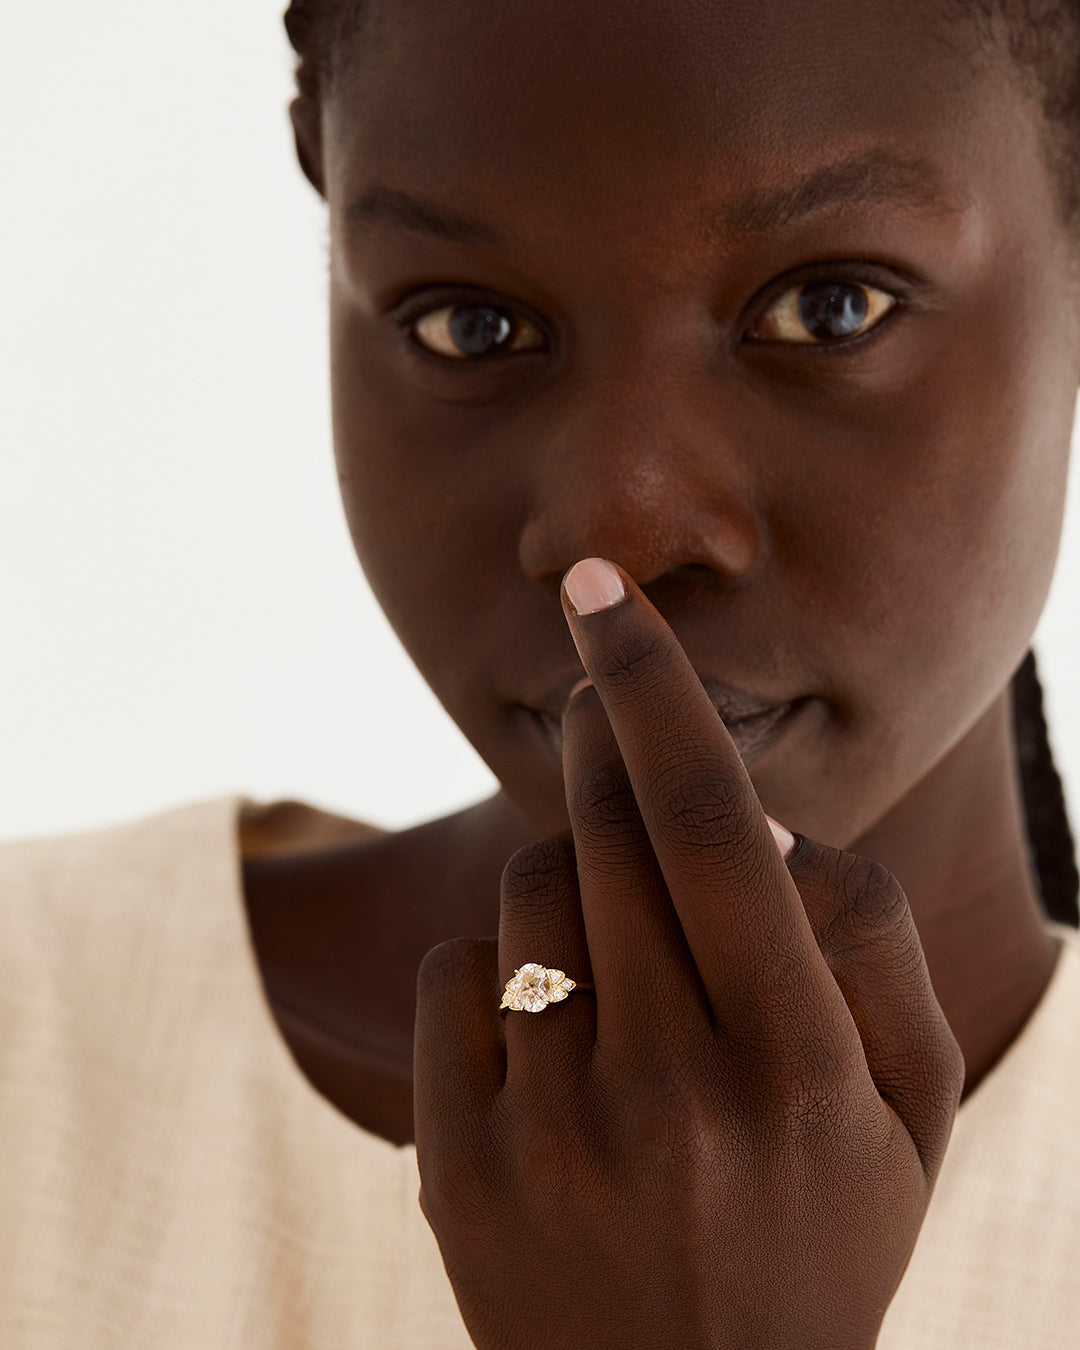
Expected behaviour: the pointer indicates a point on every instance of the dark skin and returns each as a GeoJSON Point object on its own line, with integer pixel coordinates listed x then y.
{"type": "Point", "coordinates": [862, 537]}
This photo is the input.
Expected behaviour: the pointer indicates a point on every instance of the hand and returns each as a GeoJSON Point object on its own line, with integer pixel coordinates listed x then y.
{"type": "Point", "coordinates": [734, 1140]}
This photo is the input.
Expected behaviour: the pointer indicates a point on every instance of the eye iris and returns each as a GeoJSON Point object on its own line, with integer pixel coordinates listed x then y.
{"type": "Point", "coordinates": [833, 309]}
{"type": "Point", "coordinates": [477, 330]}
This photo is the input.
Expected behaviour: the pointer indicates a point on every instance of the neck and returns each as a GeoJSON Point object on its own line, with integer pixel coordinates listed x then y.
{"type": "Point", "coordinates": [957, 844]}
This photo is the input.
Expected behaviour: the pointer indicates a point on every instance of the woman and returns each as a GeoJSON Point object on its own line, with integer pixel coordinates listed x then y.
{"type": "Point", "coordinates": [687, 360]}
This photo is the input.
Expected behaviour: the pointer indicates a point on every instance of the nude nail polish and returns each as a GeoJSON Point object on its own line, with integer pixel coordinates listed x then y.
{"type": "Point", "coordinates": [593, 584]}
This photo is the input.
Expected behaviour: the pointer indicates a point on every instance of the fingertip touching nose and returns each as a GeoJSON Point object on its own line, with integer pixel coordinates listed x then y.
{"type": "Point", "coordinates": [651, 523]}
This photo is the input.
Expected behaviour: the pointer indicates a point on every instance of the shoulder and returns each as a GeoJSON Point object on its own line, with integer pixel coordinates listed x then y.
{"type": "Point", "coordinates": [105, 868]}
{"type": "Point", "coordinates": [72, 903]}
{"type": "Point", "coordinates": [76, 906]}
{"type": "Point", "coordinates": [102, 932]}
{"type": "Point", "coordinates": [196, 844]}
{"type": "Point", "coordinates": [106, 931]}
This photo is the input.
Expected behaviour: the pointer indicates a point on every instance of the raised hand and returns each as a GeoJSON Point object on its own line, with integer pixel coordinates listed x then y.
{"type": "Point", "coordinates": [732, 1141]}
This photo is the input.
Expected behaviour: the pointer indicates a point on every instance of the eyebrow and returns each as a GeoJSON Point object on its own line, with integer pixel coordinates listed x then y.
{"type": "Point", "coordinates": [879, 175]}
{"type": "Point", "coordinates": [876, 176]}
{"type": "Point", "coordinates": [385, 204]}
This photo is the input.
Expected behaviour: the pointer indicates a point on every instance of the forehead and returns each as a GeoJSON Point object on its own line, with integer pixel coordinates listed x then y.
{"type": "Point", "coordinates": [527, 105]}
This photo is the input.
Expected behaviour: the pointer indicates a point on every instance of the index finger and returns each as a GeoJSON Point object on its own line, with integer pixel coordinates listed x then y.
{"type": "Point", "coordinates": [744, 920]}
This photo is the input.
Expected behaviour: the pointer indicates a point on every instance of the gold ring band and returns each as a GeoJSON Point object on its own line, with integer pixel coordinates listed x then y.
{"type": "Point", "coordinates": [534, 987]}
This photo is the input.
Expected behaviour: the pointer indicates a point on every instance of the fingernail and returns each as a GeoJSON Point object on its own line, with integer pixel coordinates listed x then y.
{"type": "Point", "coordinates": [785, 840]}
{"type": "Point", "coordinates": [593, 584]}
{"type": "Point", "coordinates": [583, 683]}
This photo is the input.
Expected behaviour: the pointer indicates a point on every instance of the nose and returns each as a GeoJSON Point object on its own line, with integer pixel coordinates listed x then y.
{"type": "Point", "coordinates": [647, 474]}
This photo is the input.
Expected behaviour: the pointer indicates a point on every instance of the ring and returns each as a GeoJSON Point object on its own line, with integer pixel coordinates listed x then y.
{"type": "Point", "coordinates": [534, 987]}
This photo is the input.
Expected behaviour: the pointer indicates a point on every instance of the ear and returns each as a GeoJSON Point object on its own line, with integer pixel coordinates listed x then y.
{"type": "Point", "coordinates": [307, 132]}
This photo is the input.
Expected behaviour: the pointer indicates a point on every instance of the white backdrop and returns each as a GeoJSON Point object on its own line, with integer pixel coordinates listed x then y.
{"type": "Point", "coordinates": [182, 613]}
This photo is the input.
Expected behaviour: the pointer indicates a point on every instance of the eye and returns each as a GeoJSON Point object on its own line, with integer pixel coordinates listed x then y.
{"type": "Point", "coordinates": [816, 313]}
{"type": "Point", "coordinates": [461, 332]}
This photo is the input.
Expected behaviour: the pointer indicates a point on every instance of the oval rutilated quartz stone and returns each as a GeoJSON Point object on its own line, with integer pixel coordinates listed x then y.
{"type": "Point", "coordinates": [534, 987]}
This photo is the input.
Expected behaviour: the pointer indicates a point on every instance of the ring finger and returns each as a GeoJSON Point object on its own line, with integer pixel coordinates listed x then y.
{"type": "Point", "coordinates": [540, 924]}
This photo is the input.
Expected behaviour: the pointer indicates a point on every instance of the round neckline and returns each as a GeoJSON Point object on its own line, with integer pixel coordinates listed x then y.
{"type": "Point", "coordinates": [285, 1068]}
{"type": "Point", "coordinates": [1001, 1075]}
{"type": "Point", "coordinates": [289, 1072]}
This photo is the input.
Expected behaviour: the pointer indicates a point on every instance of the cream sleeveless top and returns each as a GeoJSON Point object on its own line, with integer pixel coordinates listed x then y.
{"type": "Point", "coordinates": [170, 1180]}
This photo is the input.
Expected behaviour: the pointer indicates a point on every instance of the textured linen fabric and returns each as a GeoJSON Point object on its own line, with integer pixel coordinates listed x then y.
{"type": "Point", "coordinates": [170, 1179]}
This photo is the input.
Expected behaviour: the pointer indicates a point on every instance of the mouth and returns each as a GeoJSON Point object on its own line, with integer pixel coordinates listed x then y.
{"type": "Point", "coordinates": [752, 731]}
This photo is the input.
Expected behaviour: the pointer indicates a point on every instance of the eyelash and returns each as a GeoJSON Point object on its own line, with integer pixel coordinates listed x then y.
{"type": "Point", "coordinates": [409, 314]}
{"type": "Point", "coordinates": [413, 309]}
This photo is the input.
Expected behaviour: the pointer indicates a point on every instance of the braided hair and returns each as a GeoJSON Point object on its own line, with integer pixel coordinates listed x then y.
{"type": "Point", "coordinates": [316, 29]}
{"type": "Point", "coordinates": [1049, 838]}
{"type": "Point", "coordinates": [305, 34]}
{"type": "Point", "coordinates": [1042, 41]}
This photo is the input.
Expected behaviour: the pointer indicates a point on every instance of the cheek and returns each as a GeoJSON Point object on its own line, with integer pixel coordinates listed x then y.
{"type": "Point", "coordinates": [920, 539]}
{"type": "Point", "coordinates": [946, 537]}
{"type": "Point", "coordinates": [981, 520]}
{"type": "Point", "coordinates": [433, 528]}
{"type": "Point", "coordinates": [990, 501]}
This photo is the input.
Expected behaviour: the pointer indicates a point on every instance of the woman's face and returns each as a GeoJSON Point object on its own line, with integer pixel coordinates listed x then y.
{"type": "Point", "coordinates": [768, 302]}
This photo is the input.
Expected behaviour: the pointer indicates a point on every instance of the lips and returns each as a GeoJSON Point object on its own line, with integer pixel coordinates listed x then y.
{"type": "Point", "coordinates": [751, 725]}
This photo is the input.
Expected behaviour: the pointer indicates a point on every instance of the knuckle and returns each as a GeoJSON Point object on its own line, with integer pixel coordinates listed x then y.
{"type": "Point", "coordinates": [701, 813]}
{"type": "Point", "coordinates": [605, 802]}
{"type": "Point", "coordinates": [953, 1066]}
{"type": "Point", "coordinates": [540, 867]}
{"type": "Point", "coordinates": [457, 961]}
{"type": "Point", "coordinates": [945, 1067]}
{"type": "Point", "coordinates": [623, 663]}
{"type": "Point", "coordinates": [924, 1090]}
{"type": "Point", "coordinates": [870, 902]}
